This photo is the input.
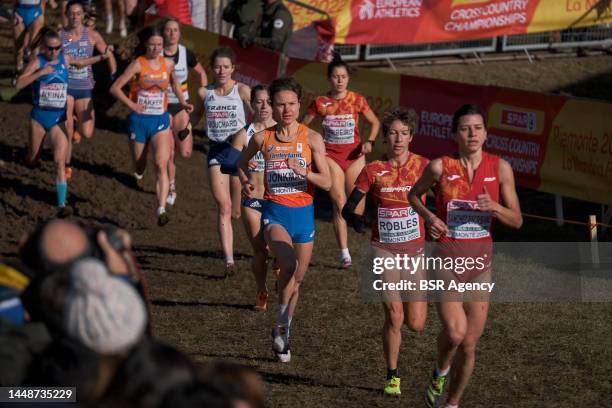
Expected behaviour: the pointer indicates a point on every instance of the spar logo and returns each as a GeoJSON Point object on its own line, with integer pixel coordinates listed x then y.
{"type": "Point", "coordinates": [519, 119]}
{"type": "Point", "coordinates": [372, 10]}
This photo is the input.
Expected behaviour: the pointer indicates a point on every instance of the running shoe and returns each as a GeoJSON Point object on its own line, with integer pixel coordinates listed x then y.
{"type": "Point", "coordinates": [280, 343]}
{"type": "Point", "coordinates": [68, 172]}
{"type": "Point", "coordinates": [64, 212]}
{"type": "Point", "coordinates": [230, 269]}
{"type": "Point", "coordinates": [261, 303]}
{"type": "Point", "coordinates": [171, 199]}
{"type": "Point", "coordinates": [392, 387]}
{"type": "Point", "coordinates": [434, 394]}
{"type": "Point", "coordinates": [346, 263]}
{"type": "Point", "coordinates": [138, 181]}
{"type": "Point", "coordinates": [162, 217]}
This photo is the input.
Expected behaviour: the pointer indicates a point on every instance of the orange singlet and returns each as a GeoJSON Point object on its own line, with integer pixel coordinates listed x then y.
{"type": "Point", "coordinates": [469, 228]}
{"type": "Point", "coordinates": [282, 185]}
{"type": "Point", "coordinates": [341, 126]}
{"type": "Point", "coordinates": [149, 88]}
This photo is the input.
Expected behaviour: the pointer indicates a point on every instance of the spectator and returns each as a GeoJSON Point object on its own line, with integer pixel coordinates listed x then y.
{"type": "Point", "coordinates": [246, 16]}
{"type": "Point", "coordinates": [275, 29]}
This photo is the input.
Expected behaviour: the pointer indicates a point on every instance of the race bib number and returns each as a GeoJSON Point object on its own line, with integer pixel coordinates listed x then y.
{"type": "Point", "coordinates": [396, 225]}
{"type": "Point", "coordinates": [466, 221]}
{"type": "Point", "coordinates": [78, 72]}
{"type": "Point", "coordinates": [339, 129]}
{"type": "Point", "coordinates": [153, 102]}
{"type": "Point", "coordinates": [222, 122]}
{"type": "Point", "coordinates": [282, 180]}
{"type": "Point", "coordinates": [53, 95]}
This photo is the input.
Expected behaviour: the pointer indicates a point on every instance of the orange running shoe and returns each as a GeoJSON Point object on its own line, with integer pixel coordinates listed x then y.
{"type": "Point", "coordinates": [261, 303]}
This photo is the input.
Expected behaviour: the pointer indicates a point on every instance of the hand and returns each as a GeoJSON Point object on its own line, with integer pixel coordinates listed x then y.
{"type": "Point", "coordinates": [366, 147]}
{"type": "Point", "coordinates": [137, 108]}
{"type": "Point", "coordinates": [436, 227]}
{"type": "Point", "coordinates": [188, 107]}
{"type": "Point", "coordinates": [485, 202]}
{"type": "Point", "coordinates": [108, 52]}
{"type": "Point", "coordinates": [46, 70]}
{"type": "Point", "coordinates": [115, 261]}
{"type": "Point", "coordinates": [294, 164]}
{"type": "Point", "coordinates": [248, 189]}
{"type": "Point", "coordinates": [252, 164]}
{"type": "Point", "coordinates": [245, 41]}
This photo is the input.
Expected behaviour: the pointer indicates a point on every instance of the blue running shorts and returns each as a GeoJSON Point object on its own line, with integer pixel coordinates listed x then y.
{"type": "Point", "coordinates": [48, 117]}
{"type": "Point", "coordinates": [142, 128]}
{"type": "Point", "coordinates": [298, 221]}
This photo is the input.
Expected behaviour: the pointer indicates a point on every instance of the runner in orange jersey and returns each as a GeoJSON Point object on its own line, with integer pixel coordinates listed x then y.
{"type": "Point", "coordinates": [149, 120]}
{"type": "Point", "coordinates": [291, 151]}
{"type": "Point", "coordinates": [397, 229]}
{"type": "Point", "coordinates": [468, 190]}
{"type": "Point", "coordinates": [340, 110]}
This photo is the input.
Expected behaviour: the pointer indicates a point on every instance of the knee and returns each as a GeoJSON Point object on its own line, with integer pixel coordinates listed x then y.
{"type": "Point", "coordinates": [339, 203]}
{"type": "Point", "coordinates": [88, 133]}
{"type": "Point", "coordinates": [468, 346]}
{"type": "Point", "coordinates": [455, 336]}
{"type": "Point", "coordinates": [225, 209]}
{"type": "Point", "coordinates": [161, 162]}
{"type": "Point", "coordinates": [395, 317]}
{"type": "Point", "coordinates": [415, 323]}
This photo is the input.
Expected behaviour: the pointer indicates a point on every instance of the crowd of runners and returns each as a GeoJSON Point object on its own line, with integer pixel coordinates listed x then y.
{"type": "Point", "coordinates": [264, 164]}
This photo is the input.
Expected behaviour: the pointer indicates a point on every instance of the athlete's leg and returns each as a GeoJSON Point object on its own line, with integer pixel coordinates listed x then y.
{"type": "Point", "coordinates": [349, 181]}
{"type": "Point", "coordinates": [37, 136]}
{"type": "Point", "coordinates": [139, 156]}
{"type": "Point", "coordinates": [338, 196]}
{"type": "Point", "coordinates": [220, 189]}
{"type": "Point", "coordinates": [252, 224]}
{"type": "Point", "coordinates": [162, 147]}
{"type": "Point", "coordinates": [179, 123]}
{"type": "Point", "coordinates": [392, 332]}
{"type": "Point", "coordinates": [59, 144]}
{"type": "Point", "coordinates": [280, 244]}
{"type": "Point", "coordinates": [303, 253]}
{"type": "Point", "coordinates": [236, 191]}
{"type": "Point", "coordinates": [19, 42]}
{"type": "Point", "coordinates": [69, 127]}
{"type": "Point", "coordinates": [85, 114]}
{"type": "Point", "coordinates": [465, 359]}
{"type": "Point", "coordinates": [32, 32]}
{"type": "Point", "coordinates": [454, 327]}
{"type": "Point", "coordinates": [108, 8]}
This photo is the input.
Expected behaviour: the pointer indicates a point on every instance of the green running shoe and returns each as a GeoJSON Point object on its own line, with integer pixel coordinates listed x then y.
{"type": "Point", "coordinates": [393, 386]}
{"type": "Point", "coordinates": [434, 394]}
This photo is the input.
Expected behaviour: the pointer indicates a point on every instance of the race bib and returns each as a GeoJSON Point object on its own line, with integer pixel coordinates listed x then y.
{"type": "Point", "coordinates": [152, 101]}
{"type": "Point", "coordinates": [78, 72]}
{"type": "Point", "coordinates": [172, 98]}
{"type": "Point", "coordinates": [339, 129]}
{"type": "Point", "coordinates": [282, 180]}
{"type": "Point", "coordinates": [396, 225]}
{"type": "Point", "coordinates": [222, 122]}
{"type": "Point", "coordinates": [53, 95]}
{"type": "Point", "coordinates": [466, 221]}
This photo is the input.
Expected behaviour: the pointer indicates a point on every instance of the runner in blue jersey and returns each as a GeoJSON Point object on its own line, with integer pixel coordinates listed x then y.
{"type": "Point", "coordinates": [48, 74]}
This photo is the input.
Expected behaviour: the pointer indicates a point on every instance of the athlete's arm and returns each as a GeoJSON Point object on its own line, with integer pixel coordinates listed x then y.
{"type": "Point", "coordinates": [245, 94]}
{"type": "Point", "coordinates": [253, 147]}
{"type": "Point", "coordinates": [430, 176]}
{"type": "Point", "coordinates": [510, 214]}
{"type": "Point", "coordinates": [83, 62]}
{"type": "Point", "coordinates": [115, 89]}
{"type": "Point", "coordinates": [230, 164]}
{"type": "Point", "coordinates": [370, 116]}
{"type": "Point", "coordinates": [31, 73]}
{"type": "Point", "coordinates": [202, 73]}
{"type": "Point", "coordinates": [322, 178]}
{"type": "Point", "coordinates": [101, 46]}
{"type": "Point", "coordinates": [176, 87]}
{"type": "Point", "coordinates": [307, 119]}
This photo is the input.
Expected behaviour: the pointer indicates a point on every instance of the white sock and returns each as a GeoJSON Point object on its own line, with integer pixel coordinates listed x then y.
{"type": "Point", "coordinates": [160, 211]}
{"type": "Point", "coordinates": [344, 253]}
{"type": "Point", "coordinates": [447, 405]}
{"type": "Point", "coordinates": [229, 260]}
{"type": "Point", "coordinates": [172, 185]}
{"type": "Point", "coordinates": [283, 315]}
{"type": "Point", "coordinates": [442, 372]}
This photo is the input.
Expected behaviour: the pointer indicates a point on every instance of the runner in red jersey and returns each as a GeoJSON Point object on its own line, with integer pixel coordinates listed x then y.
{"type": "Point", "coordinates": [340, 110]}
{"type": "Point", "coordinates": [469, 187]}
{"type": "Point", "coordinates": [397, 229]}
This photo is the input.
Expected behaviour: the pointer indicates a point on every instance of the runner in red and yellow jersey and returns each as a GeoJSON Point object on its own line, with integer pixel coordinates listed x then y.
{"type": "Point", "coordinates": [340, 110]}
{"type": "Point", "coordinates": [291, 151]}
{"type": "Point", "coordinates": [149, 120]}
{"type": "Point", "coordinates": [468, 190]}
{"type": "Point", "coordinates": [397, 229]}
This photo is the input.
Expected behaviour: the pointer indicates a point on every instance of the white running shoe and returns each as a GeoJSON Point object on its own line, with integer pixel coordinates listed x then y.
{"type": "Point", "coordinates": [280, 343]}
{"type": "Point", "coordinates": [171, 199]}
{"type": "Point", "coordinates": [109, 24]}
{"type": "Point", "coordinates": [122, 29]}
